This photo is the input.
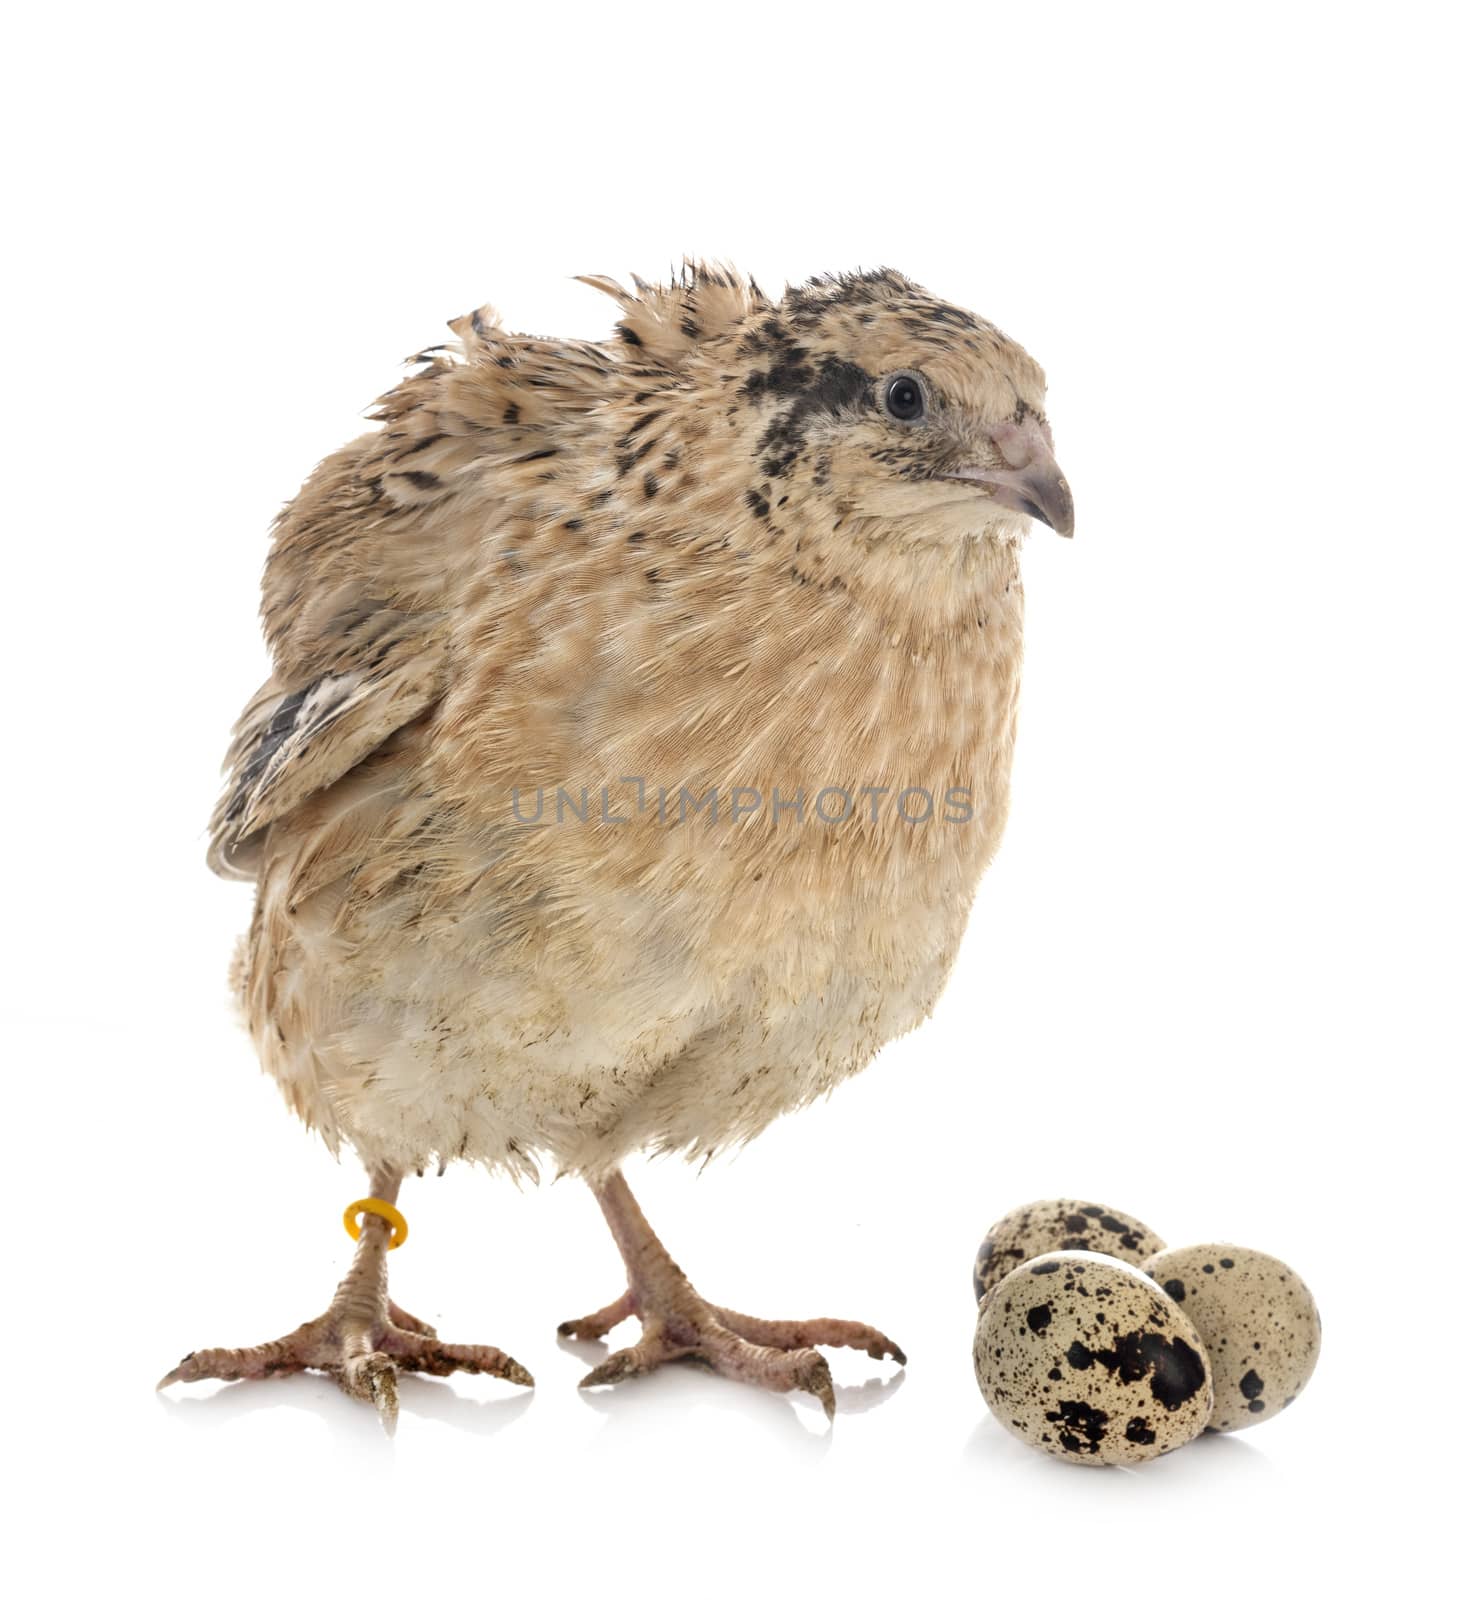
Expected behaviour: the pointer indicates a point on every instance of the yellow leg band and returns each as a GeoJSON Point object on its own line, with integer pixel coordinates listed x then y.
{"type": "Point", "coordinates": [379, 1208]}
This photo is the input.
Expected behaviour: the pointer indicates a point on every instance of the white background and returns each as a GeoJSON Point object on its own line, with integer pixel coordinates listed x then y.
{"type": "Point", "coordinates": [1219, 976]}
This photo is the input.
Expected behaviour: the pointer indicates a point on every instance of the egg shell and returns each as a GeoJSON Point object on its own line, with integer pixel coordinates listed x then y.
{"type": "Point", "coordinates": [1257, 1320]}
{"type": "Point", "coordinates": [1086, 1358]}
{"type": "Point", "coordinates": [1047, 1225]}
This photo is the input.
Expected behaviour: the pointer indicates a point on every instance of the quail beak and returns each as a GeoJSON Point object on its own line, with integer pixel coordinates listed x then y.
{"type": "Point", "coordinates": [1029, 478]}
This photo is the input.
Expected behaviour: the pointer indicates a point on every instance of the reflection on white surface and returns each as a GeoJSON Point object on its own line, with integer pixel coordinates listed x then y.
{"type": "Point", "coordinates": [318, 1395]}
{"type": "Point", "coordinates": [673, 1392]}
{"type": "Point", "coordinates": [1215, 1461]}
{"type": "Point", "coordinates": [850, 1397]}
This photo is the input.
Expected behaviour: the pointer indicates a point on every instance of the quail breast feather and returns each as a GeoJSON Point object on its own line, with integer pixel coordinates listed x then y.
{"type": "Point", "coordinates": [611, 685]}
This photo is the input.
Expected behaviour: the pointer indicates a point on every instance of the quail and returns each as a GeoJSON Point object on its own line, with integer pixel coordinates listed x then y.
{"type": "Point", "coordinates": [640, 725]}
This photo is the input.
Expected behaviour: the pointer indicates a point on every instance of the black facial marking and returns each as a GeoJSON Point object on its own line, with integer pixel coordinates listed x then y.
{"type": "Point", "coordinates": [421, 480]}
{"type": "Point", "coordinates": [837, 386]}
{"type": "Point", "coordinates": [788, 377]}
{"type": "Point", "coordinates": [630, 336]}
{"type": "Point", "coordinates": [842, 384]}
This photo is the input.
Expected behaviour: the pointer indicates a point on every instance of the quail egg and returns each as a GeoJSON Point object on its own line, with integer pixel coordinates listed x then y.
{"type": "Point", "coordinates": [1033, 1230]}
{"type": "Point", "coordinates": [1257, 1320]}
{"type": "Point", "coordinates": [1087, 1359]}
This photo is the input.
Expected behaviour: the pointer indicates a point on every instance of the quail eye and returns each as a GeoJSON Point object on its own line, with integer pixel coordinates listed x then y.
{"type": "Point", "coordinates": [903, 395]}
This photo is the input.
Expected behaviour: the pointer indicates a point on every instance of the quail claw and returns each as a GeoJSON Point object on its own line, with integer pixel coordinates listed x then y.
{"type": "Point", "coordinates": [174, 1374]}
{"type": "Point", "coordinates": [386, 1396]}
{"type": "Point", "coordinates": [816, 1379]}
{"type": "Point", "coordinates": [615, 1369]}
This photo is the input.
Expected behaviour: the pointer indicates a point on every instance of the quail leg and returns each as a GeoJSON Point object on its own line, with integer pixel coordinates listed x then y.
{"type": "Point", "coordinates": [363, 1338]}
{"type": "Point", "coordinates": [678, 1324]}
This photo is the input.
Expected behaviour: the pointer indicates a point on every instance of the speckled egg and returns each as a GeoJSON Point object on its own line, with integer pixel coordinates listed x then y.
{"type": "Point", "coordinates": [1031, 1231]}
{"type": "Point", "coordinates": [1087, 1359]}
{"type": "Point", "coordinates": [1257, 1320]}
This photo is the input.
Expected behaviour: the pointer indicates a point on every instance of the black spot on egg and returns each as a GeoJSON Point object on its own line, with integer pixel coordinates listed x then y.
{"type": "Point", "coordinates": [1175, 1370]}
{"type": "Point", "coordinates": [1083, 1426]}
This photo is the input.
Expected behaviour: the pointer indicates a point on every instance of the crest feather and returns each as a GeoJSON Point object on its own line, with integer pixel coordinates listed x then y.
{"type": "Point", "coordinates": [666, 323]}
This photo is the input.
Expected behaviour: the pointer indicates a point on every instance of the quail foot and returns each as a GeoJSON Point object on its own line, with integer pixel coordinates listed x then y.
{"type": "Point", "coordinates": [363, 1339]}
{"type": "Point", "coordinates": [678, 1324]}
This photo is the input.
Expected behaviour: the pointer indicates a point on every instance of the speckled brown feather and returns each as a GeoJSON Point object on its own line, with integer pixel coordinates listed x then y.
{"type": "Point", "coordinates": [699, 555]}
